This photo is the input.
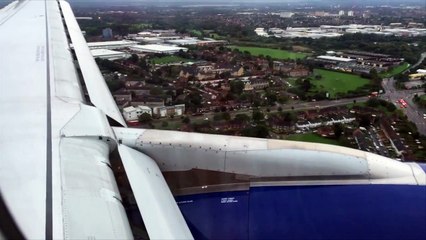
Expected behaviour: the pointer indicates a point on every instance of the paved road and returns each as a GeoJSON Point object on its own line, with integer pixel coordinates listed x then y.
{"type": "Point", "coordinates": [297, 106]}
{"type": "Point", "coordinates": [413, 112]}
{"type": "Point", "coordinates": [422, 57]}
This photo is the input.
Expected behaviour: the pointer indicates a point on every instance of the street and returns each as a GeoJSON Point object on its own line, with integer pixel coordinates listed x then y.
{"type": "Point", "coordinates": [413, 112]}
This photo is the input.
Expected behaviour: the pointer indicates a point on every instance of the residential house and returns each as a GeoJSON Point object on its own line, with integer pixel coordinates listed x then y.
{"type": "Point", "coordinates": [237, 71]}
{"type": "Point", "coordinates": [132, 114]}
{"type": "Point", "coordinates": [149, 101]}
{"type": "Point", "coordinates": [168, 111]}
{"type": "Point", "coordinates": [259, 83]}
{"type": "Point", "coordinates": [299, 72]}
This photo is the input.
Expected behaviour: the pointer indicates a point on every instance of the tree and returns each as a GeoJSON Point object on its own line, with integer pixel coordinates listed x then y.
{"type": "Point", "coordinates": [186, 120]}
{"type": "Point", "coordinates": [374, 75]}
{"type": "Point", "coordinates": [165, 124]}
{"type": "Point", "coordinates": [260, 131]}
{"type": "Point", "coordinates": [271, 98]}
{"type": "Point", "coordinates": [306, 85]}
{"type": "Point", "coordinates": [226, 116]}
{"type": "Point", "coordinates": [241, 118]}
{"type": "Point", "coordinates": [145, 118]}
{"type": "Point", "coordinates": [143, 64]}
{"type": "Point", "coordinates": [373, 102]}
{"type": "Point", "coordinates": [237, 87]}
{"type": "Point", "coordinates": [257, 116]}
{"type": "Point", "coordinates": [364, 121]}
{"type": "Point", "coordinates": [155, 91]}
{"type": "Point", "coordinates": [134, 58]}
{"type": "Point", "coordinates": [217, 117]}
{"type": "Point", "coordinates": [289, 117]}
{"type": "Point", "coordinates": [390, 107]}
{"type": "Point", "coordinates": [338, 130]}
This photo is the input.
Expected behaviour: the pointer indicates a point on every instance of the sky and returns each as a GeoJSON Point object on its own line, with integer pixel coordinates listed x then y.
{"type": "Point", "coordinates": [246, 2]}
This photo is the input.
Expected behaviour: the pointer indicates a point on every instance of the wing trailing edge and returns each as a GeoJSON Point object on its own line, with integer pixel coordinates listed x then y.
{"type": "Point", "coordinates": [157, 206]}
{"type": "Point", "coordinates": [98, 91]}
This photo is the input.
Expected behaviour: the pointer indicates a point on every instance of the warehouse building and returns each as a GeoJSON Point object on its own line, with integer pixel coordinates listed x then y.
{"type": "Point", "coordinates": [157, 48]}
{"type": "Point", "coordinates": [111, 44]}
{"type": "Point", "coordinates": [108, 54]}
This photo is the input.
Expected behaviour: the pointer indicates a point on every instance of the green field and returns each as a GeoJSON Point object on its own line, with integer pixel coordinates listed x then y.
{"type": "Point", "coordinates": [396, 70]}
{"type": "Point", "coordinates": [292, 81]}
{"type": "Point", "coordinates": [337, 82]}
{"type": "Point", "coordinates": [196, 32]}
{"type": "Point", "coordinates": [216, 36]}
{"type": "Point", "coordinates": [272, 52]}
{"type": "Point", "coordinates": [311, 137]}
{"type": "Point", "coordinates": [171, 124]}
{"type": "Point", "coordinates": [168, 59]}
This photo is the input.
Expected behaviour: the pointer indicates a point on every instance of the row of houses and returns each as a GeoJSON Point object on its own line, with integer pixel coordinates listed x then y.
{"type": "Point", "coordinates": [132, 114]}
{"type": "Point", "coordinates": [329, 122]}
{"type": "Point", "coordinates": [290, 69]}
{"type": "Point", "coordinates": [210, 71]}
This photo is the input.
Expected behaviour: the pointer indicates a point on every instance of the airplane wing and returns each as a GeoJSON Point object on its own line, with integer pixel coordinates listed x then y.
{"type": "Point", "coordinates": [56, 179]}
{"type": "Point", "coordinates": [55, 175]}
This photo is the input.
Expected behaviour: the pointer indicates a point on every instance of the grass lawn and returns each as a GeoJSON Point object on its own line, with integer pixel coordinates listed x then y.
{"type": "Point", "coordinates": [171, 124]}
{"type": "Point", "coordinates": [196, 32]}
{"type": "Point", "coordinates": [396, 70]}
{"type": "Point", "coordinates": [273, 53]}
{"type": "Point", "coordinates": [336, 82]}
{"type": "Point", "coordinates": [216, 36]}
{"type": "Point", "coordinates": [311, 137]}
{"type": "Point", "coordinates": [169, 59]}
{"type": "Point", "coordinates": [292, 81]}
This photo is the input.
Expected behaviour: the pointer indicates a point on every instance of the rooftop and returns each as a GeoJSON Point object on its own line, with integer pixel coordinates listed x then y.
{"type": "Point", "coordinates": [110, 43]}
{"type": "Point", "coordinates": [332, 58]}
{"type": "Point", "coordinates": [103, 52]}
{"type": "Point", "coordinates": [158, 47]}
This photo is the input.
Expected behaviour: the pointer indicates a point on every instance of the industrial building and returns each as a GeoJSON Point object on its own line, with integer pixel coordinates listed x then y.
{"type": "Point", "coordinates": [108, 54]}
{"type": "Point", "coordinates": [339, 30]}
{"type": "Point", "coordinates": [335, 59]}
{"type": "Point", "coordinates": [183, 41]}
{"type": "Point", "coordinates": [111, 44]}
{"type": "Point", "coordinates": [358, 61]}
{"type": "Point", "coordinates": [157, 48]}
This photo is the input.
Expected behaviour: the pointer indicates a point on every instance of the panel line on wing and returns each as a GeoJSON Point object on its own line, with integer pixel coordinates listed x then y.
{"type": "Point", "coordinates": [49, 213]}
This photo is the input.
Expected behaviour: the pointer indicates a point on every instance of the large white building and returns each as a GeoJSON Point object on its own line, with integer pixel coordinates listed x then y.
{"type": "Point", "coordinates": [111, 44]}
{"type": "Point", "coordinates": [108, 54]}
{"type": "Point", "coordinates": [132, 114]}
{"type": "Point", "coordinates": [158, 48]}
{"type": "Point", "coordinates": [337, 59]}
{"type": "Point", "coordinates": [261, 32]}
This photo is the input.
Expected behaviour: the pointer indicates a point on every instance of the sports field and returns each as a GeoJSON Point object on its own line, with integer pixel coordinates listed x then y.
{"type": "Point", "coordinates": [272, 52]}
{"type": "Point", "coordinates": [168, 59]}
{"type": "Point", "coordinates": [396, 70]}
{"type": "Point", "coordinates": [311, 137]}
{"type": "Point", "coordinates": [337, 82]}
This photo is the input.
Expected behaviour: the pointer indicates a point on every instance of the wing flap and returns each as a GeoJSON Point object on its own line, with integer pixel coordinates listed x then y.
{"type": "Point", "coordinates": [157, 206]}
{"type": "Point", "coordinates": [91, 202]}
{"type": "Point", "coordinates": [99, 93]}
